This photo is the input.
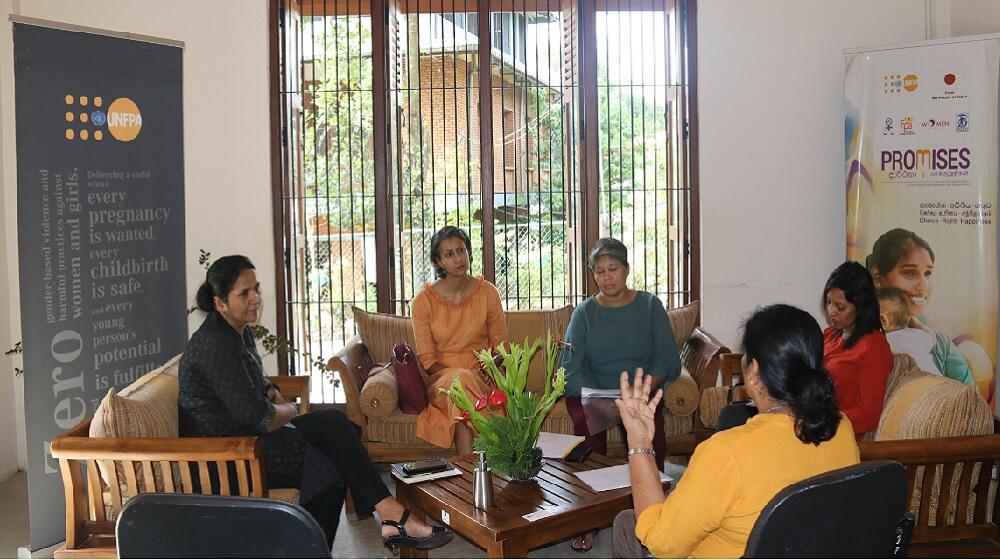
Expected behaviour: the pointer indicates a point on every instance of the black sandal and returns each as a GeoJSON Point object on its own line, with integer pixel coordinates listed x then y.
{"type": "Point", "coordinates": [439, 536]}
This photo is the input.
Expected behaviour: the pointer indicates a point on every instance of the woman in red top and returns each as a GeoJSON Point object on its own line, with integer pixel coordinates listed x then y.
{"type": "Point", "coordinates": [855, 350]}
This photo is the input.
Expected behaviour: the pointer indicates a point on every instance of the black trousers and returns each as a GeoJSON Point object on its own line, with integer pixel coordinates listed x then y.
{"type": "Point", "coordinates": [338, 438]}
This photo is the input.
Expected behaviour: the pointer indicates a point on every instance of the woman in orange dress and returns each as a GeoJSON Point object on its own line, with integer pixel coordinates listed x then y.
{"type": "Point", "coordinates": [453, 316]}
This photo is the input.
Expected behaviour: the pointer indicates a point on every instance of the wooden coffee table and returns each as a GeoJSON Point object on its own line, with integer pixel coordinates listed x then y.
{"type": "Point", "coordinates": [558, 504]}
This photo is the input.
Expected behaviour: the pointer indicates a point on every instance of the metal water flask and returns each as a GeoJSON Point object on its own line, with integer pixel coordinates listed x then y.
{"type": "Point", "coordinates": [482, 483]}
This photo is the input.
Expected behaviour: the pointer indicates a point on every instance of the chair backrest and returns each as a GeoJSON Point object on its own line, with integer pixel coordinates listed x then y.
{"type": "Point", "coordinates": [851, 512]}
{"type": "Point", "coordinates": [198, 526]}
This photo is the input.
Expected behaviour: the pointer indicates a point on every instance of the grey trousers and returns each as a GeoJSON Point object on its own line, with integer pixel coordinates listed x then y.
{"type": "Point", "coordinates": [624, 543]}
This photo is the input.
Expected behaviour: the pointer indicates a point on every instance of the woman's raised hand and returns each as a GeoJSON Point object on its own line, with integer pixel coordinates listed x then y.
{"type": "Point", "coordinates": [637, 409]}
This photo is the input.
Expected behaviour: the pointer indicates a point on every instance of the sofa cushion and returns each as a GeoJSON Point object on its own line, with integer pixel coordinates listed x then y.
{"type": "Point", "coordinates": [381, 332]}
{"type": "Point", "coordinates": [532, 324]}
{"type": "Point", "coordinates": [681, 395]}
{"type": "Point", "coordinates": [379, 395]}
{"type": "Point", "coordinates": [145, 409]}
{"type": "Point", "coordinates": [712, 401]}
{"type": "Point", "coordinates": [674, 425]}
{"type": "Point", "coordinates": [922, 405]}
{"type": "Point", "coordinates": [683, 320]}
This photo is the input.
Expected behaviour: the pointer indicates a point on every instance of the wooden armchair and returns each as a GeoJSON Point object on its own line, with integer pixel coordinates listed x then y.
{"type": "Point", "coordinates": [153, 465]}
{"type": "Point", "coordinates": [950, 487]}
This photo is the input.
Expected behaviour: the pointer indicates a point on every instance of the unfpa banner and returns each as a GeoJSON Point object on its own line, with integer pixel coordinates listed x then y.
{"type": "Point", "coordinates": [100, 221]}
{"type": "Point", "coordinates": [921, 169]}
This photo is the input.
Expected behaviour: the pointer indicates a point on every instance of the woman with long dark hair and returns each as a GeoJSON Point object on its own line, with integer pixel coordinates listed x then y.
{"type": "Point", "coordinates": [855, 349]}
{"type": "Point", "coordinates": [223, 393]}
{"type": "Point", "coordinates": [798, 433]}
{"type": "Point", "coordinates": [902, 259]}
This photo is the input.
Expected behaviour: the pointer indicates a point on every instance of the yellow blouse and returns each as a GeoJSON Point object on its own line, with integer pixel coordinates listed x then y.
{"type": "Point", "coordinates": [729, 480]}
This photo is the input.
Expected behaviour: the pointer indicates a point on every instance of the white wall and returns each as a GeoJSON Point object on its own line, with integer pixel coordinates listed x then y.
{"type": "Point", "coordinates": [771, 127]}
{"type": "Point", "coordinates": [974, 17]}
{"type": "Point", "coordinates": [226, 139]}
{"type": "Point", "coordinates": [11, 411]}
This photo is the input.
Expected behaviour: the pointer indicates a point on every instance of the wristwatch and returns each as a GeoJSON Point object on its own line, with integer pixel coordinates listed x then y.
{"type": "Point", "coordinates": [638, 450]}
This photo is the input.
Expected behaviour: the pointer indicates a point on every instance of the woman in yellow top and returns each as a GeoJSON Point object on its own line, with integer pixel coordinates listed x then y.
{"type": "Point", "coordinates": [799, 433]}
{"type": "Point", "coordinates": [452, 317]}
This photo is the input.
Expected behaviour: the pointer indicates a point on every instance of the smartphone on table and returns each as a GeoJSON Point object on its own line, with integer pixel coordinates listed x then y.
{"type": "Point", "coordinates": [424, 466]}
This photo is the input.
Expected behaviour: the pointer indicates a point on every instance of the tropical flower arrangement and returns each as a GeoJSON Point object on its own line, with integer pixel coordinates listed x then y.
{"type": "Point", "coordinates": [508, 418]}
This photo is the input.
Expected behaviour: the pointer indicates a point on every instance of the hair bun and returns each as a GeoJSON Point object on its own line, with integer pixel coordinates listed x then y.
{"type": "Point", "coordinates": [205, 298]}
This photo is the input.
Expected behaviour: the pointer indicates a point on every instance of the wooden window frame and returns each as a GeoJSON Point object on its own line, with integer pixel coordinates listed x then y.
{"type": "Point", "coordinates": [589, 171]}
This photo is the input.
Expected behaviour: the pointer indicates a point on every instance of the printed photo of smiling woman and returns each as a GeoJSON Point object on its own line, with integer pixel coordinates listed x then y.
{"type": "Point", "coordinates": [902, 259]}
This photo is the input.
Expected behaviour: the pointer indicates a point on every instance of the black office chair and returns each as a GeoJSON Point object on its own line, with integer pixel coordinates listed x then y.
{"type": "Point", "coordinates": [198, 526]}
{"type": "Point", "coordinates": [853, 512]}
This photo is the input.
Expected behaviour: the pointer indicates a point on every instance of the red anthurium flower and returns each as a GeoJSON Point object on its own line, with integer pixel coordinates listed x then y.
{"type": "Point", "coordinates": [482, 401]}
{"type": "Point", "coordinates": [564, 344]}
{"type": "Point", "coordinates": [497, 397]}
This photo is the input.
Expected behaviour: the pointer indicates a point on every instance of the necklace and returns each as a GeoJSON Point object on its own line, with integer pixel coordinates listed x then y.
{"type": "Point", "coordinates": [775, 408]}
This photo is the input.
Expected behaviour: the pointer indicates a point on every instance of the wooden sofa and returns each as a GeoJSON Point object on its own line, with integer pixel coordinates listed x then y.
{"type": "Point", "coordinates": [949, 441]}
{"type": "Point", "coordinates": [151, 464]}
{"type": "Point", "coordinates": [389, 434]}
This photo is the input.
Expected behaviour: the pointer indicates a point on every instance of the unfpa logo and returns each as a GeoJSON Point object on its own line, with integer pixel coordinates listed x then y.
{"type": "Point", "coordinates": [895, 83]}
{"type": "Point", "coordinates": [122, 119]}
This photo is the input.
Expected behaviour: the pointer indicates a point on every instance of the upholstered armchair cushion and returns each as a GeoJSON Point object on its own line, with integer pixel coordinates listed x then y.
{"type": "Point", "coordinates": [681, 395]}
{"type": "Point", "coordinates": [145, 409]}
{"type": "Point", "coordinates": [381, 332]}
{"type": "Point", "coordinates": [533, 324]}
{"type": "Point", "coordinates": [922, 405]}
{"type": "Point", "coordinates": [683, 320]}
{"type": "Point", "coordinates": [712, 401]}
{"type": "Point", "coordinates": [379, 396]}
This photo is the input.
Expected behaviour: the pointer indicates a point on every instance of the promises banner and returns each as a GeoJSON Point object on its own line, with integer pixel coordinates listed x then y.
{"type": "Point", "coordinates": [100, 220]}
{"type": "Point", "coordinates": [921, 148]}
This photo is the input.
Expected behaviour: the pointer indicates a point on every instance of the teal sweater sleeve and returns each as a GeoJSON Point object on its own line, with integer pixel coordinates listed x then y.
{"type": "Point", "coordinates": [609, 340]}
{"type": "Point", "coordinates": [949, 359]}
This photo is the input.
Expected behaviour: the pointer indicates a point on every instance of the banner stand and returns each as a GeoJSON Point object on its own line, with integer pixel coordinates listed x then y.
{"type": "Point", "coordinates": [100, 222]}
{"type": "Point", "coordinates": [921, 174]}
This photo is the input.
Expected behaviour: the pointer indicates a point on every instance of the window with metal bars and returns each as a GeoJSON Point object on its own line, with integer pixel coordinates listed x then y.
{"type": "Point", "coordinates": [536, 125]}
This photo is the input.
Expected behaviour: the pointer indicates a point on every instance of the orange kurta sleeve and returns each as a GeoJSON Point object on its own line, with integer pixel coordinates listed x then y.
{"type": "Point", "coordinates": [496, 324]}
{"type": "Point", "coordinates": [426, 350]}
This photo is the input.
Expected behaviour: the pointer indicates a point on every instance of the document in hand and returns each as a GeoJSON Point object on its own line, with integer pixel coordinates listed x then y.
{"type": "Point", "coordinates": [592, 393]}
{"type": "Point", "coordinates": [599, 408]}
{"type": "Point", "coordinates": [557, 446]}
{"type": "Point", "coordinates": [610, 478]}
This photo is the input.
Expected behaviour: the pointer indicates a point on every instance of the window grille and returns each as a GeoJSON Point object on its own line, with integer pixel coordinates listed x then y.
{"type": "Point", "coordinates": [536, 125]}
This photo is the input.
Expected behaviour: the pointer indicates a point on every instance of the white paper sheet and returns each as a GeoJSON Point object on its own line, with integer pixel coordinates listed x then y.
{"type": "Point", "coordinates": [557, 446]}
{"type": "Point", "coordinates": [592, 393]}
{"type": "Point", "coordinates": [610, 478]}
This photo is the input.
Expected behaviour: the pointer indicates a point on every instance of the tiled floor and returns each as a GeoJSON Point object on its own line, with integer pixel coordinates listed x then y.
{"type": "Point", "coordinates": [355, 538]}
{"type": "Point", "coordinates": [13, 514]}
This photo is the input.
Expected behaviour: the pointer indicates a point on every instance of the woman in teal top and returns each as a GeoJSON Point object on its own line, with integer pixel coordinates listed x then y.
{"type": "Point", "coordinates": [609, 340]}
{"type": "Point", "coordinates": [619, 329]}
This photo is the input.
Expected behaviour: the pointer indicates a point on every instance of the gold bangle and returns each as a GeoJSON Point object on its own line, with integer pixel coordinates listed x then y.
{"type": "Point", "coordinates": [638, 450]}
